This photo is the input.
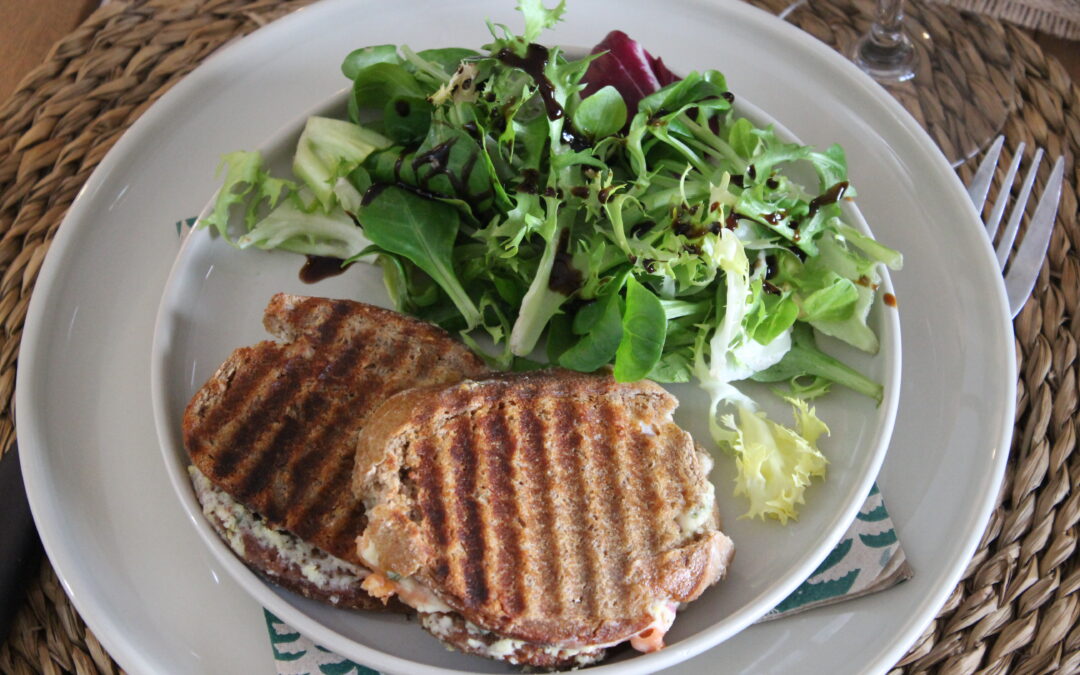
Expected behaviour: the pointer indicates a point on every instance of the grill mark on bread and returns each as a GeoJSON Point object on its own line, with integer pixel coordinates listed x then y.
{"type": "Point", "coordinates": [577, 491]}
{"type": "Point", "coordinates": [662, 481]}
{"type": "Point", "coordinates": [503, 505]}
{"type": "Point", "coordinates": [329, 500]}
{"type": "Point", "coordinates": [239, 387]}
{"type": "Point", "coordinates": [597, 496]}
{"type": "Point", "coordinates": [314, 422]}
{"type": "Point", "coordinates": [470, 530]}
{"type": "Point", "coordinates": [684, 477]}
{"type": "Point", "coordinates": [257, 421]}
{"type": "Point", "coordinates": [646, 500]}
{"type": "Point", "coordinates": [261, 483]}
{"type": "Point", "coordinates": [254, 420]}
{"type": "Point", "coordinates": [610, 469]}
{"type": "Point", "coordinates": [431, 490]}
{"type": "Point", "coordinates": [532, 434]}
{"type": "Point", "coordinates": [278, 446]}
{"type": "Point", "coordinates": [346, 422]}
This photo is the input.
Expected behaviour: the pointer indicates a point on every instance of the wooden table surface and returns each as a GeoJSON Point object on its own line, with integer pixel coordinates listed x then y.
{"type": "Point", "coordinates": [31, 27]}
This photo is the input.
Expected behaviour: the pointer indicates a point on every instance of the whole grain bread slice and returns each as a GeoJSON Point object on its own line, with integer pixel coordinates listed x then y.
{"type": "Point", "coordinates": [553, 507]}
{"type": "Point", "coordinates": [276, 426]}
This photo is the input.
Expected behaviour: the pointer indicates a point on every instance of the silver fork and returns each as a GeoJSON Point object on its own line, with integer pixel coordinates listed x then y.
{"type": "Point", "coordinates": [1021, 275]}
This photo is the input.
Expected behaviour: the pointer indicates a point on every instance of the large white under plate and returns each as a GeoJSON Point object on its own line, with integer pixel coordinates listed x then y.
{"type": "Point", "coordinates": [124, 546]}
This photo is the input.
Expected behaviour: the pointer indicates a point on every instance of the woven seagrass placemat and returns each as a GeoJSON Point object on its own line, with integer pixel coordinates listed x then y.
{"type": "Point", "coordinates": [1017, 607]}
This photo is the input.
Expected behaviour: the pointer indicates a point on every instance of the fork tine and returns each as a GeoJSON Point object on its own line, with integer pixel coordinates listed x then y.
{"type": "Point", "coordinates": [1025, 266]}
{"type": "Point", "coordinates": [1003, 194]}
{"type": "Point", "coordinates": [1017, 213]}
{"type": "Point", "coordinates": [980, 184]}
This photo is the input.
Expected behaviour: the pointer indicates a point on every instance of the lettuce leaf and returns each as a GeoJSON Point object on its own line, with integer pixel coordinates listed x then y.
{"type": "Point", "coordinates": [775, 464]}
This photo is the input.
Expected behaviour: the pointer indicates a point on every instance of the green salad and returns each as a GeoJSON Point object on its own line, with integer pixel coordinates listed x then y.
{"type": "Point", "coordinates": [597, 210]}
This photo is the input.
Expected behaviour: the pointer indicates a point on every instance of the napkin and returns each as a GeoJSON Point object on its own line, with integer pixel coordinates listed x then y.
{"type": "Point", "coordinates": [868, 559]}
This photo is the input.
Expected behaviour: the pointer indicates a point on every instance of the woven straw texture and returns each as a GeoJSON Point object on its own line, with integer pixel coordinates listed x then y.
{"type": "Point", "coordinates": [1056, 17]}
{"type": "Point", "coordinates": [1017, 607]}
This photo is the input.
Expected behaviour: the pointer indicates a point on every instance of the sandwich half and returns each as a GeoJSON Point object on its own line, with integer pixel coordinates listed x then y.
{"type": "Point", "coordinates": [538, 518]}
{"type": "Point", "coordinates": [272, 435]}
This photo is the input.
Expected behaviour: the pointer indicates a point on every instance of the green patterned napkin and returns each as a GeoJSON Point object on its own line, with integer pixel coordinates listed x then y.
{"type": "Point", "coordinates": [868, 559]}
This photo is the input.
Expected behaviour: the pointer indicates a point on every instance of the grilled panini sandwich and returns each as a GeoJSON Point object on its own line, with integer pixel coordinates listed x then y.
{"type": "Point", "coordinates": [538, 518]}
{"type": "Point", "coordinates": [272, 435]}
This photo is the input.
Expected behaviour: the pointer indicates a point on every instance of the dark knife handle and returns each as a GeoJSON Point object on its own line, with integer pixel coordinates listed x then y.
{"type": "Point", "coordinates": [20, 548]}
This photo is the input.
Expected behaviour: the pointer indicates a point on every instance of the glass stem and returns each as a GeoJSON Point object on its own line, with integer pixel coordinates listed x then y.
{"type": "Point", "coordinates": [886, 52]}
{"type": "Point", "coordinates": [888, 31]}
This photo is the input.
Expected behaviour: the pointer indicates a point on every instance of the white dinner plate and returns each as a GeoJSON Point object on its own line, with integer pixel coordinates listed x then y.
{"type": "Point", "coordinates": [213, 303]}
{"type": "Point", "coordinates": [123, 544]}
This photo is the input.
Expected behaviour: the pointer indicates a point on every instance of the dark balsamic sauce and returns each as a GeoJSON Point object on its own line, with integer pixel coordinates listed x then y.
{"type": "Point", "coordinates": [642, 228]}
{"type": "Point", "coordinates": [564, 278]}
{"type": "Point", "coordinates": [372, 193]}
{"type": "Point", "coordinates": [830, 196]}
{"type": "Point", "coordinates": [533, 63]}
{"type": "Point", "coordinates": [771, 263]}
{"type": "Point", "coordinates": [319, 267]}
{"type": "Point", "coordinates": [529, 184]}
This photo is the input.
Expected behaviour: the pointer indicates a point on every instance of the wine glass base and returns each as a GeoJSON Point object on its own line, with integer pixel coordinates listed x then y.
{"type": "Point", "coordinates": [962, 86]}
{"type": "Point", "coordinates": [896, 64]}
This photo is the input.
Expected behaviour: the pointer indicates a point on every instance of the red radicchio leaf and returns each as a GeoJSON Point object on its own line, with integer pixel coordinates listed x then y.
{"type": "Point", "coordinates": [634, 72]}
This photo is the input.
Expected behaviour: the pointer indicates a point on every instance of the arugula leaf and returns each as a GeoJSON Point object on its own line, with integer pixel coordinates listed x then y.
{"type": "Point", "coordinates": [422, 230]}
{"type": "Point", "coordinates": [600, 326]}
{"type": "Point", "coordinates": [644, 325]}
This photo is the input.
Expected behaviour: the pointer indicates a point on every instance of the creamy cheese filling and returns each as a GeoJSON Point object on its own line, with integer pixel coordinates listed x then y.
{"type": "Point", "coordinates": [696, 517]}
{"type": "Point", "coordinates": [649, 639]}
{"type": "Point", "coordinates": [327, 572]}
{"type": "Point", "coordinates": [506, 649]}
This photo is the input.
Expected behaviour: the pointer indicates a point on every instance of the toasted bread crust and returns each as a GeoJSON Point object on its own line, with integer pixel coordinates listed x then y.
{"type": "Point", "coordinates": [543, 507]}
{"type": "Point", "coordinates": [276, 425]}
